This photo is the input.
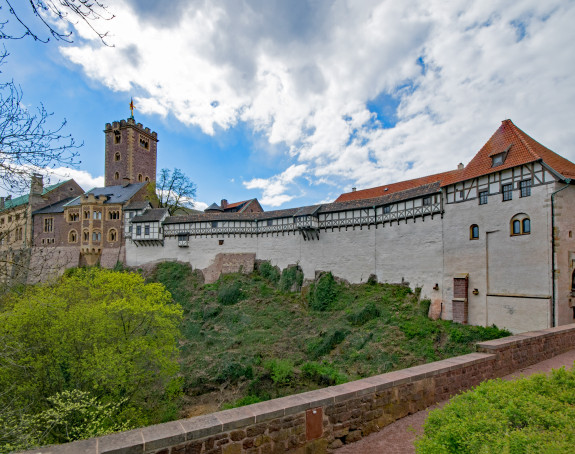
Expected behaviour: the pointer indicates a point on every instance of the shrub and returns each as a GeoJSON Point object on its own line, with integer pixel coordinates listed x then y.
{"type": "Point", "coordinates": [230, 294]}
{"type": "Point", "coordinates": [323, 374]}
{"type": "Point", "coordinates": [365, 314]}
{"type": "Point", "coordinates": [281, 370]}
{"type": "Point", "coordinates": [327, 343]}
{"type": "Point", "coordinates": [269, 272]}
{"type": "Point", "coordinates": [234, 371]}
{"type": "Point", "coordinates": [424, 306]}
{"type": "Point", "coordinates": [533, 414]}
{"type": "Point", "coordinates": [290, 276]}
{"type": "Point", "coordinates": [323, 293]}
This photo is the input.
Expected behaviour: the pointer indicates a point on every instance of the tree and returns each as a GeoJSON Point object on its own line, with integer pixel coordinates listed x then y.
{"type": "Point", "coordinates": [174, 190]}
{"type": "Point", "coordinates": [50, 12]}
{"type": "Point", "coordinates": [27, 144]}
{"type": "Point", "coordinates": [105, 333]}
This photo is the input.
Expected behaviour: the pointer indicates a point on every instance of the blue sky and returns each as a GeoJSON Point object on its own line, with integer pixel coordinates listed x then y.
{"type": "Point", "coordinates": [296, 102]}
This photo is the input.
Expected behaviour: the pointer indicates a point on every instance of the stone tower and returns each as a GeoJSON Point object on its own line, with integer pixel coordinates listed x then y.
{"type": "Point", "coordinates": [131, 153]}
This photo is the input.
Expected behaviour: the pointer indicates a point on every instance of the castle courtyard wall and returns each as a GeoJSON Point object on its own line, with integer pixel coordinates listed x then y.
{"type": "Point", "coordinates": [403, 252]}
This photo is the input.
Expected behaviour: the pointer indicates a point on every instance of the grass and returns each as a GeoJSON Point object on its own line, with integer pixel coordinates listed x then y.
{"type": "Point", "coordinates": [249, 338]}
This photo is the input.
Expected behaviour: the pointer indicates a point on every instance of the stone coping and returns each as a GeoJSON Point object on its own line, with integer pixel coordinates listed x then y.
{"type": "Point", "coordinates": [161, 436]}
{"type": "Point", "coordinates": [517, 339]}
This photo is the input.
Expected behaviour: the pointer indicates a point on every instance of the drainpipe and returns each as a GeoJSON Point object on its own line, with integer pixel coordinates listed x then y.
{"type": "Point", "coordinates": [554, 293]}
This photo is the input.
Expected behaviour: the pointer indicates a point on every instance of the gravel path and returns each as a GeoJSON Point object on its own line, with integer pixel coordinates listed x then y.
{"type": "Point", "coordinates": [398, 437]}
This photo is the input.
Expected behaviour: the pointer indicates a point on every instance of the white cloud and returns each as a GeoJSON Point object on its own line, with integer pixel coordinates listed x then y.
{"type": "Point", "coordinates": [274, 188]}
{"type": "Point", "coordinates": [302, 72]}
{"type": "Point", "coordinates": [83, 178]}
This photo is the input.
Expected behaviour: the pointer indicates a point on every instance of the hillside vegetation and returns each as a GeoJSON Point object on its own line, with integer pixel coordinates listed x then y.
{"type": "Point", "coordinates": [248, 338]}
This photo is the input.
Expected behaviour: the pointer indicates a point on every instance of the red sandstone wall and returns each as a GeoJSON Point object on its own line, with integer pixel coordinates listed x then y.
{"type": "Point", "coordinates": [323, 420]}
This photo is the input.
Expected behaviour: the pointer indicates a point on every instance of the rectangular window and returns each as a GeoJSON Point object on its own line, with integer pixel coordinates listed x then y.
{"type": "Point", "coordinates": [146, 230]}
{"type": "Point", "coordinates": [525, 187]}
{"type": "Point", "coordinates": [270, 222]}
{"type": "Point", "coordinates": [507, 190]}
{"type": "Point", "coordinates": [387, 209]}
{"type": "Point", "coordinates": [214, 224]}
{"type": "Point", "coordinates": [483, 197]}
{"type": "Point", "coordinates": [138, 230]}
{"type": "Point", "coordinates": [48, 225]}
{"type": "Point", "coordinates": [426, 201]}
{"type": "Point", "coordinates": [97, 215]}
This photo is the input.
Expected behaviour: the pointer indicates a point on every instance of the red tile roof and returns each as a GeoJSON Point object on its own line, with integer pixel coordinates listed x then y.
{"type": "Point", "coordinates": [520, 148]}
{"type": "Point", "coordinates": [395, 187]}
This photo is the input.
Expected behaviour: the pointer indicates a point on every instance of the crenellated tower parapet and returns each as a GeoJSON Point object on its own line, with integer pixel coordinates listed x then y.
{"type": "Point", "coordinates": [131, 153]}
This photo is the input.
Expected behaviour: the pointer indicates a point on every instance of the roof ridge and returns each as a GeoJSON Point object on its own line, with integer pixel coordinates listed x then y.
{"type": "Point", "coordinates": [516, 131]}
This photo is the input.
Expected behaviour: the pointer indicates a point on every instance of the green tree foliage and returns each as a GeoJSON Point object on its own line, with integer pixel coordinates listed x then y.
{"type": "Point", "coordinates": [530, 415]}
{"type": "Point", "coordinates": [95, 331]}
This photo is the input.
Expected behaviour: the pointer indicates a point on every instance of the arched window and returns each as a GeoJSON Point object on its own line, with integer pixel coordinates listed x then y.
{"type": "Point", "coordinates": [147, 178]}
{"type": "Point", "coordinates": [96, 236]}
{"type": "Point", "coordinates": [520, 225]}
{"type": "Point", "coordinates": [140, 177]}
{"type": "Point", "coordinates": [72, 236]}
{"type": "Point", "coordinates": [116, 176]}
{"type": "Point", "coordinates": [86, 235]}
{"type": "Point", "coordinates": [474, 232]}
{"type": "Point", "coordinates": [117, 157]}
{"type": "Point", "coordinates": [112, 235]}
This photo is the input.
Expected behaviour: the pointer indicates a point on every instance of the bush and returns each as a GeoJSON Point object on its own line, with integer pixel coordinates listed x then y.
{"type": "Point", "coordinates": [234, 371]}
{"type": "Point", "coordinates": [230, 294]}
{"type": "Point", "coordinates": [323, 293]}
{"type": "Point", "coordinates": [290, 276]}
{"type": "Point", "coordinates": [323, 374]}
{"type": "Point", "coordinates": [281, 370]}
{"type": "Point", "coordinates": [529, 415]}
{"type": "Point", "coordinates": [365, 314]}
{"type": "Point", "coordinates": [327, 343]}
{"type": "Point", "coordinates": [269, 272]}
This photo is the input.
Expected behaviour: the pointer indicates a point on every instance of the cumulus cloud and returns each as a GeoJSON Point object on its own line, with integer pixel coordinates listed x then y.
{"type": "Point", "coordinates": [303, 73]}
{"type": "Point", "coordinates": [274, 188]}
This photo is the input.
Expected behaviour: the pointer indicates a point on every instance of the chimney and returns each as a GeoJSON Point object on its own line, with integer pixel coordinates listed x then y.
{"type": "Point", "coordinates": [353, 189]}
{"type": "Point", "coordinates": [125, 182]}
{"type": "Point", "coordinates": [37, 184]}
{"type": "Point", "coordinates": [224, 204]}
{"type": "Point", "coordinates": [460, 166]}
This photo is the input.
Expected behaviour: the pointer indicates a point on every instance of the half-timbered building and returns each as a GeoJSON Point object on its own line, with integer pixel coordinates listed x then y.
{"type": "Point", "coordinates": [490, 242]}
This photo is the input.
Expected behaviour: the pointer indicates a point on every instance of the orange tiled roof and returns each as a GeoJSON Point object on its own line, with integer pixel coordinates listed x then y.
{"type": "Point", "coordinates": [235, 204]}
{"type": "Point", "coordinates": [395, 187]}
{"type": "Point", "coordinates": [520, 148]}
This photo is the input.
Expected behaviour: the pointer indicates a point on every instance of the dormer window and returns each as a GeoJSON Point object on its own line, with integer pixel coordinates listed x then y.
{"type": "Point", "coordinates": [499, 158]}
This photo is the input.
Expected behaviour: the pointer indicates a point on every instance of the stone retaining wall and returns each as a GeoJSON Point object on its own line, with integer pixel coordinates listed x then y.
{"type": "Point", "coordinates": [322, 420]}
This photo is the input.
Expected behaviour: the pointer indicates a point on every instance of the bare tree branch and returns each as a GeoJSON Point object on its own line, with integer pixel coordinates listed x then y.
{"type": "Point", "coordinates": [64, 11]}
{"type": "Point", "coordinates": [175, 190]}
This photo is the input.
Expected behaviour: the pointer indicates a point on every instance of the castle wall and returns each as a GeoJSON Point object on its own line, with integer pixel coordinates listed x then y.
{"type": "Point", "coordinates": [565, 250]}
{"type": "Point", "coordinates": [511, 273]}
{"type": "Point", "coordinates": [410, 252]}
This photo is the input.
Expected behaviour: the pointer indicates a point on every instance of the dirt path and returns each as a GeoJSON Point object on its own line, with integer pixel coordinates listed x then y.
{"type": "Point", "coordinates": [398, 438]}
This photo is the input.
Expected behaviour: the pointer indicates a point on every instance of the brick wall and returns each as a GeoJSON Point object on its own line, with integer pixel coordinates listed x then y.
{"type": "Point", "coordinates": [323, 420]}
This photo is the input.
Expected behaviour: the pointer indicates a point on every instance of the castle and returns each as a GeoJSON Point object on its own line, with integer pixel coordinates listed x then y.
{"type": "Point", "coordinates": [488, 243]}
